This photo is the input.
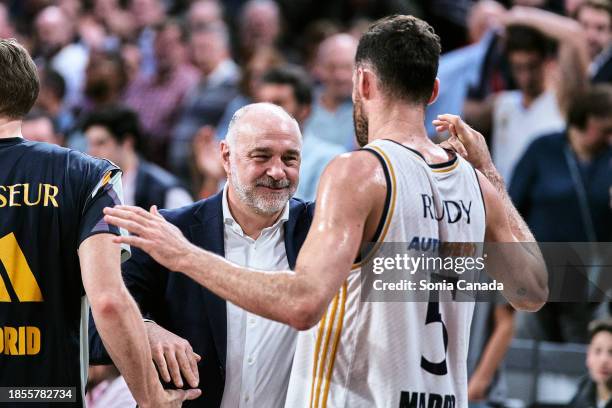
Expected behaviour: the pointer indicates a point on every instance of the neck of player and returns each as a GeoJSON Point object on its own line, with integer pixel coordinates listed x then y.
{"type": "Point", "coordinates": [251, 222]}
{"type": "Point", "coordinates": [10, 128]}
{"type": "Point", "coordinates": [403, 123]}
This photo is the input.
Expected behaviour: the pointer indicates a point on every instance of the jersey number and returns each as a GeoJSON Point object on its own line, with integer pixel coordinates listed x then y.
{"type": "Point", "coordinates": [434, 316]}
{"type": "Point", "coordinates": [20, 276]}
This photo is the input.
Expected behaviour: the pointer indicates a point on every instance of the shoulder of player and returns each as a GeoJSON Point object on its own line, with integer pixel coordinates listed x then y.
{"type": "Point", "coordinates": [361, 165]}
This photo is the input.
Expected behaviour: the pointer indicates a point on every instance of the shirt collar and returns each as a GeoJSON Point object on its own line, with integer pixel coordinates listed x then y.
{"type": "Point", "coordinates": [228, 219]}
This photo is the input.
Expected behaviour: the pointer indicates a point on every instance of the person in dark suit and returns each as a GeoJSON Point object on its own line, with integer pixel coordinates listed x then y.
{"type": "Point", "coordinates": [253, 221]}
{"type": "Point", "coordinates": [113, 133]}
{"type": "Point", "coordinates": [595, 17]}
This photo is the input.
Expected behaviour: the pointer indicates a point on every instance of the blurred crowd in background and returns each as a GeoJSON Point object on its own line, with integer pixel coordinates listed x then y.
{"type": "Point", "coordinates": [152, 85]}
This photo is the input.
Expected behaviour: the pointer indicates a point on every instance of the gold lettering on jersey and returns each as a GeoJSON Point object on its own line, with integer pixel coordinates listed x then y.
{"type": "Point", "coordinates": [20, 341]}
{"type": "Point", "coordinates": [18, 195]}
{"type": "Point", "coordinates": [20, 275]}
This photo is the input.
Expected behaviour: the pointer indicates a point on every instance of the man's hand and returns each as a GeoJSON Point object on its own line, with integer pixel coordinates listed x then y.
{"type": "Point", "coordinates": [174, 398]}
{"type": "Point", "coordinates": [173, 355]}
{"type": "Point", "coordinates": [477, 388]}
{"type": "Point", "coordinates": [151, 233]}
{"type": "Point", "coordinates": [464, 140]}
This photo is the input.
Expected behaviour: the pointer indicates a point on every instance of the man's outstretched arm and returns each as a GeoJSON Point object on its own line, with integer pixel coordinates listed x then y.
{"type": "Point", "coordinates": [518, 261]}
{"type": "Point", "coordinates": [298, 299]}
{"type": "Point", "coordinates": [120, 324]}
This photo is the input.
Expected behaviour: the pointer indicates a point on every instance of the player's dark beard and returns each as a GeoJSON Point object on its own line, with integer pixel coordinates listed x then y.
{"type": "Point", "coordinates": [361, 123]}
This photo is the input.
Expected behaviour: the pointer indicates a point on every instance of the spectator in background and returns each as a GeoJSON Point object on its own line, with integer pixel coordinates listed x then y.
{"type": "Point", "coordinates": [332, 112]}
{"type": "Point", "coordinates": [291, 88]}
{"type": "Point", "coordinates": [51, 100]}
{"type": "Point", "coordinates": [157, 98]}
{"type": "Point", "coordinates": [113, 133]}
{"type": "Point", "coordinates": [540, 103]}
{"type": "Point", "coordinates": [595, 16]}
{"type": "Point", "coordinates": [259, 26]}
{"type": "Point", "coordinates": [596, 388]}
{"type": "Point", "coordinates": [40, 127]}
{"type": "Point", "coordinates": [6, 27]}
{"type": "Point", "coordinates": [147, 13]}
{"type": "Point", "coordinates": [105, 80]}
{"type": "Point", "coordinates": [204, 105]}
{"type": "Point", "coordinates": [260, 62]}
{"type": "Point", "coordinates": [56, 46]}
{"type": "Point", "coordinates": [204, 12]}
{"type": "Point", "coordinates": [473, 72]}
{"type": "Point", "coordinates": [130, 53]}
{"type": "Point", "coordinates": [562, 187]}
{"type": "Point", "coordinates": [491, 332]}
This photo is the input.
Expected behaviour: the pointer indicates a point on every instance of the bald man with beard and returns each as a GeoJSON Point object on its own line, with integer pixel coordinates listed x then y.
{"type": "Point", "coordinates": [253, 222]}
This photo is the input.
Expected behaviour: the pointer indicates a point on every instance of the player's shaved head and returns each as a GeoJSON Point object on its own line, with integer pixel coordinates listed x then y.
{"type": "Point", "coordinates": [258, 118]}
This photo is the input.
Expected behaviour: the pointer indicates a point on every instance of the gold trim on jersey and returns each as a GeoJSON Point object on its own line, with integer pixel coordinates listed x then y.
{"type": "Point", "coordinates": [447, 169]}
{"type": "Point", "coordinates": [323, 360]}
{"type": "Point", "coordinates": [338, 334]}
{"type": "Point", "coordinates": [389, 215]}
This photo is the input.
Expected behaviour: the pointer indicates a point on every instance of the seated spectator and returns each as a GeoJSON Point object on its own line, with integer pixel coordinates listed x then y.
{"type": "Point", "coordinates": [540, 103]}
{"type": "Point", "coordinates": [332, 111]}
{"type": "Point", "coordinates": [113, 133]}
{"type": "Point", "coordinates": [40, 127]}
{"type": "Point", "coordinates": [595, 390]}
{"type": "Point", "coordinates": [561, 186]}
{"type": "Point", "coordinates": [595, 16]}
{"type": "Point", "coordinates": [204, 105]}
{"type": "Point", "coordinates": [156, 98]}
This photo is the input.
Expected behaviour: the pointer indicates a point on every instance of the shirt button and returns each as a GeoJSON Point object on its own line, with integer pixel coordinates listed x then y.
{"type": "Point", "coordinates": [251, 360]}
{"type": "Point", "coordinates": [252, 321]}
{"type": "Point", "coordinates": [246, 398]}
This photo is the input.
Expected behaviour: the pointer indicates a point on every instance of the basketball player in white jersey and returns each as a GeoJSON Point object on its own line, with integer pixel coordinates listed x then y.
{"type": "Point", "coordinates": [361, 354]}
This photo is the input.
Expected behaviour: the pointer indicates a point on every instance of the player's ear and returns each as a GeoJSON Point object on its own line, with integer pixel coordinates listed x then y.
{"type": "Point", "coordinates": [435, 92]}
{"type": "Point", "coordinates": [366, 83]}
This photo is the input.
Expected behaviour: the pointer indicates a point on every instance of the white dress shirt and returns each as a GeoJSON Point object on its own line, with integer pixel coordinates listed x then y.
{"type": "Point", "coordinates": [259, 351]}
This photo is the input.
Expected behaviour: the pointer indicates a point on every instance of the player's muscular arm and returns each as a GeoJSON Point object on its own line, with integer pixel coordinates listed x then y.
{"type": "Point", "coordinates": [119, 322]}
{"type": "Point", "coordinates": [348, 191]}
{"type": "Point", "coordinates": [520, 267]}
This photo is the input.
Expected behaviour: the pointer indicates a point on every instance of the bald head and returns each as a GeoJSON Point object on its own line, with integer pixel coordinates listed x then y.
{"type": "Point", "coordinates": [336, 58]}
{"type": "Point", "coordinates": [53, 27]}
{"type": "Point", "coordinates": [259, 119]}
{"type": "Point", "coordinates": [204, 12]}
{"type": "Point", "coordinates": [261, 156]}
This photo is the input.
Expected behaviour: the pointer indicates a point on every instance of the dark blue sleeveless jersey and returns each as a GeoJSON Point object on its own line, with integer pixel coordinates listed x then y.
{"type": "Point", "coordinates": [51, 200]}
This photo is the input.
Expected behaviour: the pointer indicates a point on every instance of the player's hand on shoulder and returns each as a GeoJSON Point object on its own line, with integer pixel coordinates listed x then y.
{"type": "Point", "coordinates": [467, 142]}
{"type": "Point", "coordinates": [173, 356]}
{"type": "Point", "coordinates": [150, 232]}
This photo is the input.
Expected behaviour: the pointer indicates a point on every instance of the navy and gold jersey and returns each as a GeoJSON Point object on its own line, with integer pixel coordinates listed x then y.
{"type": "Point", "coordinates": [51, 200]}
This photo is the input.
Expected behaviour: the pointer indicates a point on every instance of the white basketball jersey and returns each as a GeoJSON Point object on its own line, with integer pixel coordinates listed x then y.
{"type": "Point", "coordinates": [370, 354]}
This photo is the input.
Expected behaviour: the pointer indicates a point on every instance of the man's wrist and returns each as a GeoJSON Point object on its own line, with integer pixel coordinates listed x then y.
{"type": "Point", "coordinates": [186, 261]}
